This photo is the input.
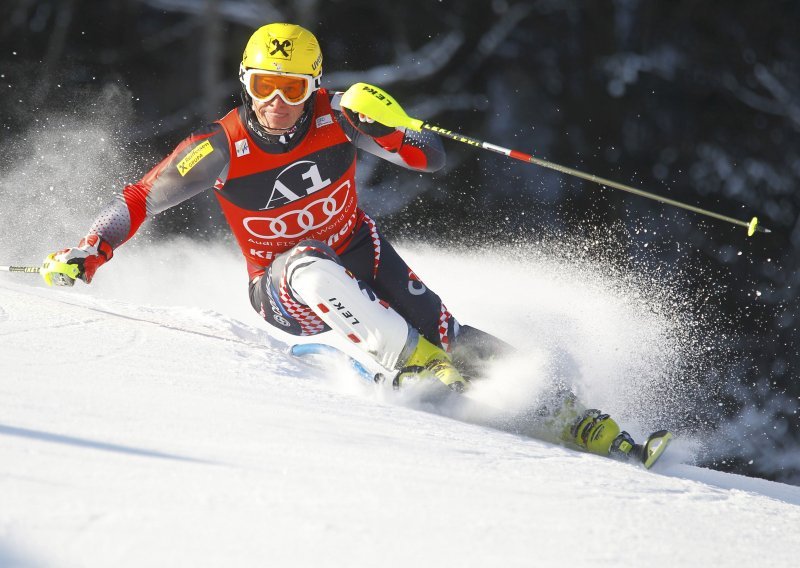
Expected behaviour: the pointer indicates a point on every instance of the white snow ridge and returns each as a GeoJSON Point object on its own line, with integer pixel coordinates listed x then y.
{"type": "Point", "coordinates": [134, 434]}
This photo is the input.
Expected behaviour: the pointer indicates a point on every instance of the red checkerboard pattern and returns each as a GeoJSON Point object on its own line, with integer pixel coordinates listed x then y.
{"type": "Point", "coordinates": [310, 323]}
{"type": "Point", "coordinates": [376, 244]}
{"type": "Point", "coordinates": [444, 319]}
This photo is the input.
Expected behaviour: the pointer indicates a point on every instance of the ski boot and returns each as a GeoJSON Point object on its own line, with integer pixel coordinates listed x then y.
{"type": "Point", "coordinates": [429, 360]}
{"type": "Point", "coordinates": [599, 434]}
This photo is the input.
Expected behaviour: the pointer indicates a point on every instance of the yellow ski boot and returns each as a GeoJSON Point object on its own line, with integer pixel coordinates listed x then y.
{"type": "Point", "coordinates": [595, 432]}
{"type": "Point", "coordinates": [599, 434]}
{"type": "Point", "coordinates": [429, 360]}
{"type": "Point", "coordinates": [588, 429]}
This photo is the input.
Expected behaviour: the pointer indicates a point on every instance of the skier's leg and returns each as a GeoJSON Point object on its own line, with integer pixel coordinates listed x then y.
{"type": "Point", "coordinates": [313, 276]}
{"type": "Point", "coordinates": [373, 259]}
{"type": "Point", "coordinates": [474, 349]}
{"type": "Point", "coordinates": [314, 290]}
{"type": "Point", "coordinates": [269, 298]}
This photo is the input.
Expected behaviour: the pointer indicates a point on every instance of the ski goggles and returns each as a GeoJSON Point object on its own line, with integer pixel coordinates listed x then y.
{"type": "Point", "coordinates": [293, 88]}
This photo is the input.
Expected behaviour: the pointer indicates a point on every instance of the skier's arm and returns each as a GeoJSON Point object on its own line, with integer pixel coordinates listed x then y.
{"type": "Point", "coordinates": [421, 151]}
{"type": "Point", "coordinates": [195, 165]}
{"type": "Point", "coordinates": [198, 163]}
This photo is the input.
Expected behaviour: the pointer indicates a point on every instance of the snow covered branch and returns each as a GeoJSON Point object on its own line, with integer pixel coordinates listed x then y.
{"type": "Point", "coordinates": [248, 13]}
{"type": "Point", "coordinates": [780, 103]}
{"type": "Point", "coordinates": [424, 62]}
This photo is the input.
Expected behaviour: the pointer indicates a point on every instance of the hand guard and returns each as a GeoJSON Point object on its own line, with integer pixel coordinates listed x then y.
{"type": "Point", "coordinates": [367, 125]}
{"type": "Point", "coordinates": [374, 113]}
{"type": "Point", "coordinates": [378, 104]}
{"type": "Point", "coordinates": [64, 267]}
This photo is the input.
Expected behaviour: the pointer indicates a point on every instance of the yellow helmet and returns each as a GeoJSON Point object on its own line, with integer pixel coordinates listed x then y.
{"type": "Point", "coordinates": [285, 48]}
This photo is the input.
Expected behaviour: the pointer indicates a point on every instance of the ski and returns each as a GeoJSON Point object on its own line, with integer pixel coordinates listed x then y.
{"type": "Point", "coordinates": [651, 450]}
{"type": "Point", "coordinates": [330, 353]}
{"type": "Point", "coordinates": [323, 356]}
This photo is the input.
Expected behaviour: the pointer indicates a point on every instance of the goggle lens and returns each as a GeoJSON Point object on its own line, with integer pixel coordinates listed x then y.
{"type": "Point", "coordinates": [264, 85]}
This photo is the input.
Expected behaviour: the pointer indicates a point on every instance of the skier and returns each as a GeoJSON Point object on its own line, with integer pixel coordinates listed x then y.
{"type": "Point", "coordinates": [282, 166]}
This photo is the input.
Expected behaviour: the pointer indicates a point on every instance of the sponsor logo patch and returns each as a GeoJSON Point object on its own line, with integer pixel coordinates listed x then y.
{"type": "Point", "coordinates": [242, 147]}
{"type": "Point", "coordinates": [280, 47]}
{"type": "Point", "coordinates": [297, 222]}
{"type": "Point", "coordinates": [343, 311]}
{"type": "Point", "coordinates": [297, 180]}
{"type": "Point", "coordinates": [324, 120]}
{"type": "Point", "coordinates": [193, 158]}
{"type": "Point", "coordinates": [415, 285]}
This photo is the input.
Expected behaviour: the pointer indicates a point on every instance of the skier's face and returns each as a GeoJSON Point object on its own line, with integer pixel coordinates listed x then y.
{"type": "Point", "coordinates": [275, 115]}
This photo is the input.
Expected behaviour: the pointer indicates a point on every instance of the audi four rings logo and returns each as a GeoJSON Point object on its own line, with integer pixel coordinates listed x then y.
{"type": "Point", "coordinates": [293, 224]}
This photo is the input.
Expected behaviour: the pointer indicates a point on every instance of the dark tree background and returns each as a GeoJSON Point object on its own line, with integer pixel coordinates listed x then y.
{"type": "Point", "coordinates": [697, 101]}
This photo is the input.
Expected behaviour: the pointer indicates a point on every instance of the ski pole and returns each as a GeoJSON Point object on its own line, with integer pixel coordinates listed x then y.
{"type": "Point", "coordinates": [385, 110]}
{"type": "Point", "coordinates": [32, 269]}
{"type": "Point", "coordinates": [52, 270]}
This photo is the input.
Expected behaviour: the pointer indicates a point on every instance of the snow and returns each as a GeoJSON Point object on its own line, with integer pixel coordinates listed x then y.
{"type": "Point", "coordinates": [151, 420]}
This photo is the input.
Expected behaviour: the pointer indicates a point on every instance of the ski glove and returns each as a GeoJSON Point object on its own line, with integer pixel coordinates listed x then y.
{"type": "Point", "coordinates": [361, 108]}
{"type": "Point", "coordinates": [64, 267]}
{"type": "Point", "coordinates": [367, 125]}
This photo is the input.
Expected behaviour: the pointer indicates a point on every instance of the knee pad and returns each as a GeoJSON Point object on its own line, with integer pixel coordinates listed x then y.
{"type": "Point", "coordinates": [346, 305]}
{"type": "Point", "coordinates": [302, 254]}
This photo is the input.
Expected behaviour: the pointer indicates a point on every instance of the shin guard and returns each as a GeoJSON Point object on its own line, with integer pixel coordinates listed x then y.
{"type": "Point", "coordinates": [351, 309]}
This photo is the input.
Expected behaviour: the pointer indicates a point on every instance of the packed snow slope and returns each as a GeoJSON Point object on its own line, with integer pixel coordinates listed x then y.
{"type": "Point", "coordinates": [151, 420]}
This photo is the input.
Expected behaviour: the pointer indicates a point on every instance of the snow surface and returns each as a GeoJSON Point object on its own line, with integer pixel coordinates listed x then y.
{"type": "Point", "coordinates": [151, 420]}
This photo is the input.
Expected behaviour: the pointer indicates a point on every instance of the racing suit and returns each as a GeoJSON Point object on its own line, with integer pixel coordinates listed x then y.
{"type": "Point", "coordinates": [276, 192]}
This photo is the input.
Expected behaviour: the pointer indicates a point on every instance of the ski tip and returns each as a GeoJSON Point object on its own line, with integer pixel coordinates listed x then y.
{"type": "Point", "coordinates": [301, 349]}
{"type": "Point", "coordinates": [655, 446]}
